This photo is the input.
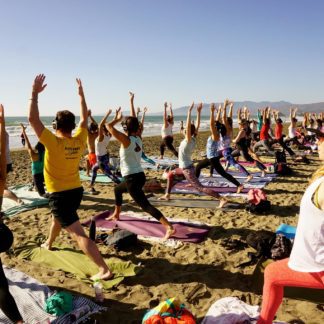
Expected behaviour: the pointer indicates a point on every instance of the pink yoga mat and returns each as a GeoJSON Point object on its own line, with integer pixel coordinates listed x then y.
{"type": "Point", "coordinates": [185, 232]}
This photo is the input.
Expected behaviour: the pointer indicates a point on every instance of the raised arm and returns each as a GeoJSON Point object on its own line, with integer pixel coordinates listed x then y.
{"type": "Point", "coordinates": [31, 151]}
{"type": "Point", "coordinates": [291, 115]}
{"type": "Point", "coordinates": [230, 112]}
{"type": "Point", "coordinates": [214, 133]}
{"type": "Point", "coordinates": [120, 137]}
{"type": "Point", "coordinates": [199, 108]}
{"type": "Point", "coordinates": [218, 112]}
{"type": "Point", "coordinates": [305, 120]}
{"type": "Point", "coordinates": [188, 124]}
{"type": "Point", "coordinates": [171, 111]}
{"type": "Point", "coordinates": [83, 106]}
{"type": "Point", "coordinates": [33, 115]}
{"type": "Point", "coordinates": [101, 126]}
{"type": "Point", "coordinates": [132, 108]}
{"type": "Point", "coordinates": [165, 116]}
{"type": "Point", "coordinates": [143, 117]}
{"type": "Point", "coordinates": [239, 117]}
{"type": "Point", "coordinates": [3, 159]}
{"type": "Point", "coordinates": [138, 110]}
{"type": "Point", "coordinates": [91, 118]}
{"type": "Point", "coordinates": [264, 115]}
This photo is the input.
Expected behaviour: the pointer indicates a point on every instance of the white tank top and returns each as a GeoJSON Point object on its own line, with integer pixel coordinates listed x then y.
{"type": "Point", "coordinates": [166, 131]}
{"type": "Point", "coordinates": [130, 157]}
{"type": "Point", "coordinates": [101, 147]}
{"type": "Point", "coordinates": [291, 132]}
{"type": "Point", "coordinates": [307, 254]}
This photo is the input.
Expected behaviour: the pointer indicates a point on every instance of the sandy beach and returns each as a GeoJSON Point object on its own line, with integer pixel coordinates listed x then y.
{"type": "Point", "coordinates": [198, 274]}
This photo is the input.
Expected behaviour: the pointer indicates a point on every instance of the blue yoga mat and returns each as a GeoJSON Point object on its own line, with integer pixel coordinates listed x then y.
{"type": "Point", "coordinates": [287, 230]}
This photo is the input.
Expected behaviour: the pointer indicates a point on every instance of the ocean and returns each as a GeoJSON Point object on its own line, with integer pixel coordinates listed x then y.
{"type": "Point", "coordinates": [152, 127]}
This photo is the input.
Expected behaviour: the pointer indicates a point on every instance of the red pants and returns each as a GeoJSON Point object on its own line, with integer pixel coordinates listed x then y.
{"type": "Point", "coordinates": [277, 275]}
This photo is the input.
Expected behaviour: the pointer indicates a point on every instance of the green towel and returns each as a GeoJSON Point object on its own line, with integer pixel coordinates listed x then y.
{"type": "Point", "coordinates": [73, 261]}
{"type": "Point", "coordinates": [59, 304]}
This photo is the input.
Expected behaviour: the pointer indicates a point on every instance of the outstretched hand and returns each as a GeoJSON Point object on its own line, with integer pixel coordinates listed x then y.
{"type": "Point", "coordinates": [191, 107]}
{"type": "Point", "coordinates": [131, 94]}
{"type": "Point", "coordinates": [212, 107]}
{"type": "Point", "coordinates": [22, 126]}
{"type": "Point", "coordinates": [165, 105]}
{"type": "Point", "coordinates": [39, 85]}
{"type": "Point", "coordinates": [199, 107]}
{"type": "Point", "coordinates": [118, 115]}
{"type": "Point", "coordinates": [89, 112]}
{"type": "Point", "coordinates": [80, 88]}
{"type": "Point", "coordinates": [145, 109]}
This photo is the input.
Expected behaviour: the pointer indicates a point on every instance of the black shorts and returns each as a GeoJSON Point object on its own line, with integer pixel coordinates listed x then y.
{"type": "Point", "coordinates": [9, 168]}
{"type": "Point", "coordinates": [64, 205]}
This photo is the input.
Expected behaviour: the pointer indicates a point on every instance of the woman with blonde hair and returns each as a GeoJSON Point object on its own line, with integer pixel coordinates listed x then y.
{"type": "Point", "coordinates": [305, 266]}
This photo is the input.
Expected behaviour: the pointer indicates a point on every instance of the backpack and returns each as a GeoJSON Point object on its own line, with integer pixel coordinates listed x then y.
{"type": "Point", "coordinates": [282, 169]}
{"type": "Point", "coordinates": [257, 202]}
{"type": "Point", "coordinates": [268, 245]}
{"type": "Point", "coordinates": [121, 239]}
{"type": "Point", "coordinates": [170, 311]}
{"type": "Point", "coordinates": [281, 247]}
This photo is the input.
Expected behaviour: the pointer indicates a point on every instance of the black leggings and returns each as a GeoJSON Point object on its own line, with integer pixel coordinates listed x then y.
{"type": "Point", "coordinates": [215, 164]}
{"type": "Point", "coordinates": [39, 183]}
{"type": "Point", "coordinates": [243, 150]}
{"type": "Point", "coordinates": [7, 303]}
{"type": "Point", "coordinates": [167, 142]}
{"type": "Point", "coordinates": [133, 184]}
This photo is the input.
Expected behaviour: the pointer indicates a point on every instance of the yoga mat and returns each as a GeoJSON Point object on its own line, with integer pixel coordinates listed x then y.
{"type": "Point", "coordinates": [102, 178]}
{"type": "Point", "coordinates": [224, 183]}
{"type": "Point", "coordinates": [300, 293]}
{"type": "Point", "coordinates": [73, 261]}
{"type": "Point", "coordinates": [254, 180]}
{"type": "Point", "coordinates": [192, 203]}
{"type": "Point", "coordinates": [183, 187]}
{"type": "Point", "coordinates": [287, 230]}
{"type": "Point", "coordinates": [31, 200]}
{"type": "Point", "coordinates": [185, 231]}
{"type": "Point", "coordinates": [30, 296]}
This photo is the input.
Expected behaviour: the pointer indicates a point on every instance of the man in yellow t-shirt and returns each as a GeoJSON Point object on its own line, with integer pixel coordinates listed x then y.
{"type": "Point", "coordinates": [61, 172]}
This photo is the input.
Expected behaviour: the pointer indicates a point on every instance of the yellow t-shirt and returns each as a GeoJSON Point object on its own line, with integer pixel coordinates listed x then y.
{"type": "Point", "coordinates": [62, 158]}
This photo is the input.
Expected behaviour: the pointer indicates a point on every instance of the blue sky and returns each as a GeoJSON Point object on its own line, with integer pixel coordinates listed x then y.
{"type": "Point", "coordinates": [174, 50]}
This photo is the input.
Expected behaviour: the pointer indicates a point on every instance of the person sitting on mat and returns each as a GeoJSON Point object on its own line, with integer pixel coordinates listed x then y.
{"type": "Point", "coordinates": [186, 167]}
{"type": "Point", "coordinates": [61, 173]}
{"type": "Point", "coordinates": [305, 266]}
{"type": "Point", "coordinates": [132, 172]}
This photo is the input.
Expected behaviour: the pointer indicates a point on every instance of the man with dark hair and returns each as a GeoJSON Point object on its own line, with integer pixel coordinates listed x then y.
{"type": "Point", "coordinates": [61, 173]}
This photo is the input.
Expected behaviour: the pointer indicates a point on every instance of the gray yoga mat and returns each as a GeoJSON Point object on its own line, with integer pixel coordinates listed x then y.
{"type": "Point", "coordinates": [191, 203]}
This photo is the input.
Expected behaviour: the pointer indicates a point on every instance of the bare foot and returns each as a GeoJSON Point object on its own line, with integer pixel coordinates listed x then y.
{"type": "Point", "coordinates": [165, 197]}
{"type": "Point", "coordinates": [102, 276]}
{"type": "Point", "coordinates": [239, 188]}
{"type": "Point", "coordinates": [249, 178]}
{"type": "Point", "coordinates": [222, 203]}
{"type": "Point", "coordinates": [46, 246]}
{"type": "Point", "coordinates": [161, 157]}
{"type": "Point", "coordinates": [113, 217]}
{"type": "Point", "coordinates": [263, 174]}
{"type": "Point", "coordinates": [20, 202]}
{"type": "Point", "coordinates": [170, 231]}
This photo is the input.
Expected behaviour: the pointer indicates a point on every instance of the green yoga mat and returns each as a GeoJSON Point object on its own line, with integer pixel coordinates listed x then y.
{"type": "Point", "coordinates": [300, 293]}
{"type": "Point", "coordinates": [73, 261]}
{"type": "Point", "coordinates": [102, 178]}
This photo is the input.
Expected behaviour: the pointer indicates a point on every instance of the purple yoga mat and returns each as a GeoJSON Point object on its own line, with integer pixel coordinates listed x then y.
{"type": "Point", "coordinates": [193, 233]}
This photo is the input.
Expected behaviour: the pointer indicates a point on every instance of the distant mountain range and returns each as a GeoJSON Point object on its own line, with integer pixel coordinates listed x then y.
{"type": "Point", "coordinates": [253, 106]}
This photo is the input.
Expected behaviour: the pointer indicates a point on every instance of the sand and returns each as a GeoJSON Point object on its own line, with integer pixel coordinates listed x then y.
{"type": "Point", "coordinates": [198, 274]}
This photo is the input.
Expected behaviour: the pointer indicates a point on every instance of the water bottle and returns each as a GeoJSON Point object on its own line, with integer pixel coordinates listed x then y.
{"type": "Point", "coordinates": [92, 230]}
{"type": "Point", "coordinates": [78, 313]}
{"type": "Point", "coordinates": [98, 291]}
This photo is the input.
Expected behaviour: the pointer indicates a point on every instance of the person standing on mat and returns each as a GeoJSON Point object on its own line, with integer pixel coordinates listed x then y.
{"type": "Point", "coordinates": [102, 154]}
{"type": "Point", "coordinates": [37, 158]}
{"type": "Point", "coordinates": [130, 164]}
{"type": "Point", "coordinates": [213, 154]}
{"type": "Point", "coordinates": [305, 266]}
{"type": "Point", "coordinates": [61, 173]}
{"type": "Point", "coordinates": [7, 302]}
{"type": "Point", "coordinates": [166, 132]}
{"type": "Point", "coordinates": [91, 159]}
{"type": "Point", "coordinates": [186, 167]}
